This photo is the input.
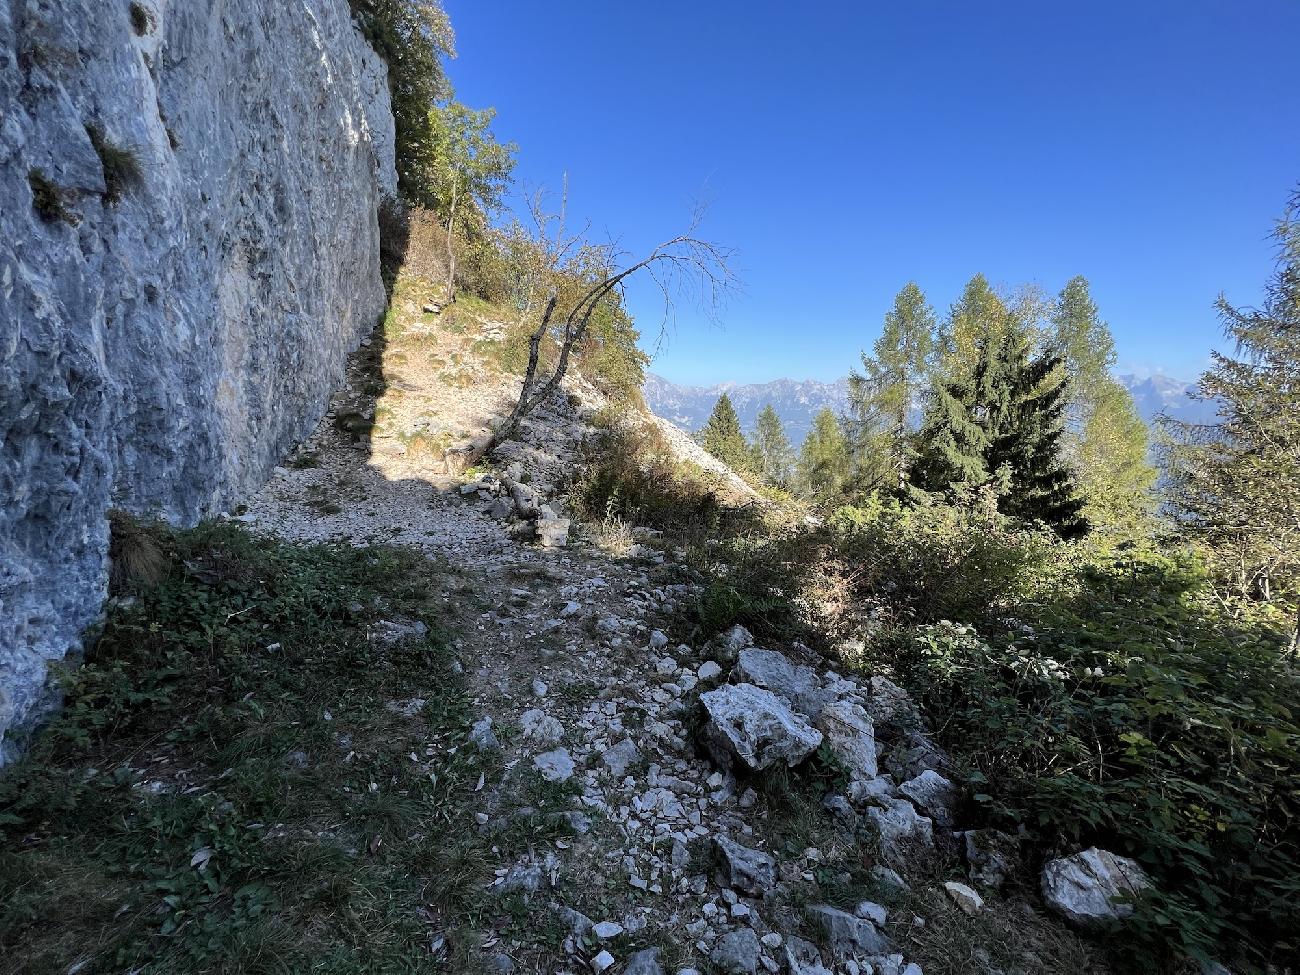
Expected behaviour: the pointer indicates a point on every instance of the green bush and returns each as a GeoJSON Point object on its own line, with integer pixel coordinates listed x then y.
{"type": "Point", "coordinates": [1125, 712]}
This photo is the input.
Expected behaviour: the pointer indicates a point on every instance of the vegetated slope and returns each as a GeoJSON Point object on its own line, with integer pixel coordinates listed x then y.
{"type": "Point", "coordinates": [435, 740]}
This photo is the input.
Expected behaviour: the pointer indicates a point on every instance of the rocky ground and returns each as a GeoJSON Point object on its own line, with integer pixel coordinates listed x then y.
{"type": "Point", "coordinates": [723, 808]}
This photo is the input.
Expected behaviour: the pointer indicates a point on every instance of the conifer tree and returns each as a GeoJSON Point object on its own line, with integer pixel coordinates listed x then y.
{"type": "Point", "coordinates": [773, 457]}
{"type": "Point", "coordinates": [824, 458]}
{"type": "Point", "coordinates": [723, 438]}
{"type": "Point", "coordinates": [1234, 482]}
{"type": "Point", "coordinates": [882, 399]}
{"type": "Point", "coordinates": [1026, 426]}
{"type": "Point", "coordinates": [1105, 439]}
{"type": "Point", "coordinates": [1002, 428]}
{"type": "Point", "coordinates": [979, 315]}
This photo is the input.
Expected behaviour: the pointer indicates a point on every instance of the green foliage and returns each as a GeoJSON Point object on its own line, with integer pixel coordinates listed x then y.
{"type": "Point", "coordinates": [1105, 439]}
{"type": "Point", "coordinates": [883, 397]}
{"type": "Point", "coordinates": [1002, 428]}
{"type": "Point", "coordinates": [1233, 483]}
{"type": "Point", "coordinates": [722, 436]}
{"type": "Point", "coordinates": [1122, 711]}
{"type": "Point", "coordinates": [824, 461]}
{"type": "Point", "coordinates": [227, 788]}
{"type": "Point", "coordinates": [978, 317]}
{"type": "Point", "coordinates": [466, 166]}
{"type": "Point", "coordinates": [772, 456]}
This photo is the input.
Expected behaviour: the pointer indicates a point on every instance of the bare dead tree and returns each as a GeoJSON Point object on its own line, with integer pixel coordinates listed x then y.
{"type": "Point", "coordinates": [679, 261]}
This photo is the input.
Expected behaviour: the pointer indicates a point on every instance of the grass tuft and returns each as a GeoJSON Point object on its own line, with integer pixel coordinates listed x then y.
{"type": "Point", "coordinates": [122, 168]}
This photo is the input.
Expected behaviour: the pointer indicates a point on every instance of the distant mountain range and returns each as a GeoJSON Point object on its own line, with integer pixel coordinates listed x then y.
{"type": "Point", "coordinates": [797, 401]}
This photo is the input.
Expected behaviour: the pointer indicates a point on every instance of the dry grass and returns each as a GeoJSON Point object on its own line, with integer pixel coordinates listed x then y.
{"type": "Point", "coordinates": [136, 553]}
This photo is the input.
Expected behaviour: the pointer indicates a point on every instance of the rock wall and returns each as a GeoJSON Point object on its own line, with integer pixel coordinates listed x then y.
{"type": "Point", "coordinates": [188, 252]}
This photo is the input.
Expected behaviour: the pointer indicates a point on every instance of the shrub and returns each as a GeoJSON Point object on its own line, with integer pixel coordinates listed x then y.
{"type": "Point", "coordinates": [1125, 713]}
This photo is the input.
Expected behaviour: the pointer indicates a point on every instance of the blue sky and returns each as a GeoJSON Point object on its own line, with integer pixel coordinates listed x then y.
{"type": "Point", "coordinates": [846, 148]}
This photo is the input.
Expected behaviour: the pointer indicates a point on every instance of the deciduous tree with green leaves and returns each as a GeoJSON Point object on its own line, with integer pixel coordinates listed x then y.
{"type": "Point", "coordinates": [883, 398]}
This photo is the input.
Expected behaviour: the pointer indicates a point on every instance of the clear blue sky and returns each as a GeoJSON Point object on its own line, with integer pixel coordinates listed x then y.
{"type": "Point", "coordinates": [849, 147]}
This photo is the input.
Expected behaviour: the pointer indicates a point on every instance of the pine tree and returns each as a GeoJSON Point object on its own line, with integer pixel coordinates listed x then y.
{"type": "Point", "coordinates": [773, 457]}
{"type": "Point", "coordinates": [1105, 439]}
{"type": "Point", "coordinates": [824, 459]}
{"type": "Point", "coordinates": [882, 399]}
{"type": "Point", "coordinates": [1234, 482]}
{"type": "Point", "coordinates": [723, 438]}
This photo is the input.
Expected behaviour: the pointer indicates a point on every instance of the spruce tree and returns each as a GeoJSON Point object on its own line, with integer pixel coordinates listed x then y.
{"type": "Point", "coordinates": [883, 397]}
{"type": "Point", "coordinates": [773, 457]}
{"type": "Point", "coordinates": [723, 438]}
{"type": "Point", "coordinates": [1002, 428]}
{"type": "Point", "coordinates": [1234, 482]}
{"type": "Point", "coordinates": [1105, 439]}
{"type": "Point", "coordinates": [824, 459]}
{"type": "Point", "coordinates": [1024, 453]}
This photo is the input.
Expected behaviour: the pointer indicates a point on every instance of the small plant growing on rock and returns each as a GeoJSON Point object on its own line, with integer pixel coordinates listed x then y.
{"type": "Point", "coordinates": [141, 19]}
{"type": "Point", "coordinates": [122, 169]}
{"type": "Point", "coordinates": [47, 198]}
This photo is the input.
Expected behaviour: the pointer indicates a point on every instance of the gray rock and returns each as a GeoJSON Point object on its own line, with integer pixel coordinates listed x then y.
{"type": "Point", "coordinates": [803, 957]}
{"type": "Point", "coordinates": [737, 953]}
{"type": "Point", "coordinates": [726, 646]}
{"type": "Point", "coordinates": [163, 354]}
{"type": "Point", "coordinates": [795, 683]}
{"type": "Point", "coordinates": [849, 731]}
{"type": "Point", "coordinates": [555, 765]}
{"type": "Point", "coordinates": [658, 640]}
{"type": "Point", "coordinates": [741, 868]}
{"type": "Point", "coordinates": [965, 898]}
{"type": "Point", "coordinates": [553, 532]}
{"type": "Point", "coordinates": [482, 737]}
{"type": "Point", "coordinates": [755, 727]}
{"type": "Point", "coordinates": [578, 923]}
{"type": "Point", "coordinates": [501, 962]}
{"type": "Point", "coordinates": [501, 509]}
{"type": "Point", "coordinates": [902, 831]}
{"type": "Point", "coordinates": [526, 878]}
{"type": "Point", "coordinates": [537, 725]}
{"type": "Point", "coordinates": [606, 930]}
{"type": "Point", "coordinates": [871, 911]}
{"type": "Point", "coordinates": [931, 793]}
{"type": "Point", "coordinates": [847, 936]}
{"type": "Point", "coordinates": [992, 856]}
{"type": "Point", "coordinates": [644, 962]}
{"type": "Point", "coordinates": [708, 670]}
{"type": "Point", "coordinates": [1084, 888]}
{"type": "Point", "coordinates": [619, 757]}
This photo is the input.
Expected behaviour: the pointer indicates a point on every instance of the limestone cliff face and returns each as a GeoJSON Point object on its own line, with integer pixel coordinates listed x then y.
{"type": "Point", "coordinates": [168, 326]}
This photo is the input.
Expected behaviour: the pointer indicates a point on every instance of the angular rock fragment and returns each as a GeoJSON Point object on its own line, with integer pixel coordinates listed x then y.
{"type": "Point", "coordinates": [931, 793]}
{"type": "Point", "coordinates": [902, 830]}
{"type": "Point", "coordinates": [1085, 888]}
{"type": "Point", "coordinates": [772, 671]}
{"type": "Point", "coordinates": [847, 936]}
{"type": "Point", "coordinates": [737, 953]}
{"type": "Point", "coordinates": [755, 727]}
{"type": "Point", "coordinates": [555, 766]}
{"type": "Point", "coordinates": [743, 869]}
{"type": "Point", "coordinates": [849, 731]}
